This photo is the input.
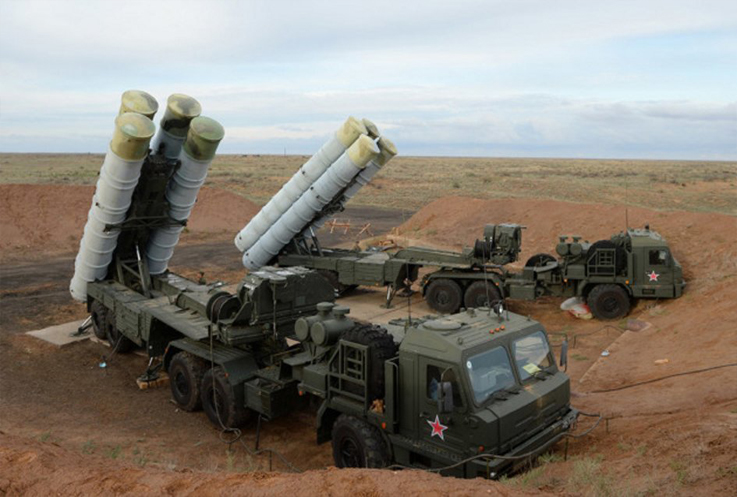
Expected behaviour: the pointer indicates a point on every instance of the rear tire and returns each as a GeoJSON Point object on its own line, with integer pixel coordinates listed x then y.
{"type": "Point", "coordinates": [98, 313]}
{"type": "Point", "coordinates": [608, 302]}
{"type": "Point", "coordinates": [220, 402]}
{"type": "Point", "coordinates": [119, 342]}
{"type": "Point", "coordinates": [444, 295]}
{"type": "Point", "coordinates": [481, 294]}
{"type": "Point", "coordinates": [357, 444]}
{"type": "Point", "coordinates": [185, 378]}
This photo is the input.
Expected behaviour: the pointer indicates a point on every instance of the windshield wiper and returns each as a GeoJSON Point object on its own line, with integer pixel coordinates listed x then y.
{"type": "Point", "coordinates": [504, 393]}
{"type": "Point", "coordinates": [543, 374]}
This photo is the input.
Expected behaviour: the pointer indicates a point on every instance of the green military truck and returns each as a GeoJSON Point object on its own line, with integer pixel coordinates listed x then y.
{"type": "Point", "coordinates": [455, 392]}
{"type": "Point", "coordinates": [607, 274]}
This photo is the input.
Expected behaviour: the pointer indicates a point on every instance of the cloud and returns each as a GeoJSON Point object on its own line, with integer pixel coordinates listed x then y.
{"type": "Point", "coordinates": [626, 78]}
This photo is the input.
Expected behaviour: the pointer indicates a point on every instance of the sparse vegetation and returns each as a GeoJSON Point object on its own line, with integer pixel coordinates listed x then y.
{"type": "Point", "coordinates": [411, 182]}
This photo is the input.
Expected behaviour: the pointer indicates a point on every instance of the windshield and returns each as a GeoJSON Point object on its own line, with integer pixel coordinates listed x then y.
{"type": "Point", "coordinates": [531, 354]}
{"type": "Point", "coordinates": [489, 371]}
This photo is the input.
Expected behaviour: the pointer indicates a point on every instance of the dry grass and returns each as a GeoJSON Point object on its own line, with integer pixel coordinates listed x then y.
{"type": "Point", "coordinates": [411, 182]}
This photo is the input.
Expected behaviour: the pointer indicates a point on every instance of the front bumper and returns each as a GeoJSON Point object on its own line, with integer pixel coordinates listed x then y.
{"type": "Point", "coordinates": [523, 453]}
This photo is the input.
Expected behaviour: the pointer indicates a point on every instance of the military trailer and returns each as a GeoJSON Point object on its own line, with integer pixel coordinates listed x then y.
{"type": "Point", "coordinates": [346, 269]}
{"type": "Point", "coordinates": [608, 274]}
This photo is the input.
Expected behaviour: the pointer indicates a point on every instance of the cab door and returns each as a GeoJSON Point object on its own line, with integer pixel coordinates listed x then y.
{"type": "Point", "coordinates": [443, 429]}
{"type": "Point", "coordinates": [656, 273]}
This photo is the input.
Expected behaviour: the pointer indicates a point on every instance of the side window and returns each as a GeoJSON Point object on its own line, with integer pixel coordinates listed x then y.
{"type": "Point", "coordinates": [433, 377]}
{"type": "Point", "coordinates": [658, 257]}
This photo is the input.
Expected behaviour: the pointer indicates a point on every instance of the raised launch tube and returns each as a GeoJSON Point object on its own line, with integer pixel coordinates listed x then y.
{"type": "Point", "coordinates": [173, 128]}
{"type": "Point", "coordinates": [303, 211]}
{"type": "Point", "coordinates": [199, 149]}
{"type": "Point", "coordinates": [387, 151]}
{"type": "Point", "coordinates": [299, 183]}
{"type": "Point", "coordinates": [118, 178]}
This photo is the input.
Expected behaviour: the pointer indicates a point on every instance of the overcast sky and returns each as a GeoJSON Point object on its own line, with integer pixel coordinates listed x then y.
{"type": "Point", "coordinates": [563, 78]}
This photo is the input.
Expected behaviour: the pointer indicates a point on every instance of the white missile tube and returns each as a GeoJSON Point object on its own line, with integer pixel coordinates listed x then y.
{"type": "Point", "coordinates": [303, 211]}
{"type": "Point", "coordinates": [299, 183]}
{"type": "Point", "coordinates": [180, 110]}
{"type": "Point", "coordinates": [118, 178]}
{"type": "Point", "coordinates": [203, 138]}
{"type": "Point", "coordinates": [387, 151]}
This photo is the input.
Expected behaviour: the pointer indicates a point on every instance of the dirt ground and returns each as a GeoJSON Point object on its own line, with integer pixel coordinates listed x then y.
{"type": "Point", "coordinates": [70, 427]}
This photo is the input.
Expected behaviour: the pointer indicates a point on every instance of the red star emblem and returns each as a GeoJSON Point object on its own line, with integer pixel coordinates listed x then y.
{"type": "Point", "coordinates": [437, 428]}
{"type": "Point", "coordinates": [653, 276]}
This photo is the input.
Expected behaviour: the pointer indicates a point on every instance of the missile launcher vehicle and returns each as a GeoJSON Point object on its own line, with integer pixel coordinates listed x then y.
{"type": "Point", "coordinates": [607, 274]}
{"type": "Point", "coordinates": [472, 394]}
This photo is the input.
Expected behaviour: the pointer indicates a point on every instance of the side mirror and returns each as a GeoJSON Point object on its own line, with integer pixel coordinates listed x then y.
{"type": "Point", "coordinates": [564, 355]}
{"type": "Point", "coordinates": [445, 397]}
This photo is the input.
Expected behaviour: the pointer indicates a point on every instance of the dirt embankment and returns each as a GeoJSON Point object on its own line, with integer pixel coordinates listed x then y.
{"type": "Point", "coordinates": [39, 220]}
{"type": "Point", "coordinates": [676, 435]}
{"type": "Point", "coordinates": [42, 469]}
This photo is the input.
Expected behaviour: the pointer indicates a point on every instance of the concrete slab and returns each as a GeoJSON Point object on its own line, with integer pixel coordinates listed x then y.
{"type": "Point", "coordinates": [59, 335]}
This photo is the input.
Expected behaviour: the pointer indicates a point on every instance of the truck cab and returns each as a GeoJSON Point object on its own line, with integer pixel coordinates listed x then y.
{"type": "Point", "coordinates": [655, 271]}
{"type": "Point", "coordinates": [460, 391]}
{"type": "Point", "coordinates": [476, 383]}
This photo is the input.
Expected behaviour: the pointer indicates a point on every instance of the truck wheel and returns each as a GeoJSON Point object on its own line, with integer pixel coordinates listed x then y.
{"type": "Point", "coordinates": [481, 294]}
{"type": "Point", "coordinates": [98, 313]}
{"type": "Point", "coordinates": [185, 377]}
{"type": "Point", "coordinates": [357, 444]}
{"type": "Point", "coordinates": [119, 342]}
{"type": "Point", "coordinates": [444, 295]}
{"type": "Point", "coordinates": [539, 260]}
{"type": "Point", "coordinates": [608, 302]}
{"type": "Point", "coordinates": [381, 347]}
{"type": "Point", "coordinates": [219, 401]}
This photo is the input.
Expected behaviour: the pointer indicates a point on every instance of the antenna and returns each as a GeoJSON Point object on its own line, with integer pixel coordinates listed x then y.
{"type": "Point", "coordinates": [626, 204]}
{"type": "Point", "coordinates": [407, 280]}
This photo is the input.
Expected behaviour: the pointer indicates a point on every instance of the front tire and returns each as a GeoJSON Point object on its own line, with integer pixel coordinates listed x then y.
{"type": "Point", "coordinates": [185, 378]}
{"type": "Point", "coordinates": [444, 295]}
{"type": "Point", "coordinates": [608, 302]}
{"type": "Point", "coordinates": [219, 401]}
{"type": "Point", "coordinates": [357, 444]}
{"type": "Point", "coordinates": [481, 294]}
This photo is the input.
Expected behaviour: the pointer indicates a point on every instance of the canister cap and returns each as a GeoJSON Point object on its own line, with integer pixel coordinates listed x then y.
{"type": "Point", "coordinates": [180, 110]}
{"type": "Point", "coordinates": [203, 138]}
{"type": "Point", "coordinates": [140, 102]}
{"type": "Point", "coordinates": [349, 132]}
{"type": "Point", "coordinates": [371, 128]}
{"type": "Point", "coordinates": [363, 151]}
{"type": "Point", "coordinates": [387, 150]}
{"type": "Point", "coordinates": [132, 135]}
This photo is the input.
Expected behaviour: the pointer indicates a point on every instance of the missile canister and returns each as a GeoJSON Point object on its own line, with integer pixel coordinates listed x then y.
{"type": "Point", "coordinates": [118, 178]}
{"type": "Point", "coordinates": [173, 128]}
{"type": "Point", "coordinates": [199, 149]}
{"type": "Point", "coordinates": [299, 183]}
{"type": "Point", "coordinates": [139, 102]}
{"type": "Point", "coordinates": [302, 212]}
{"type": "Point", "coordinates": [387, 151]}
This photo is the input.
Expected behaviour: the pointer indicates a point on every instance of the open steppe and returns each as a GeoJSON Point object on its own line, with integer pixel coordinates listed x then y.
{"type": "Point", "coordinates": [69, 427]}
